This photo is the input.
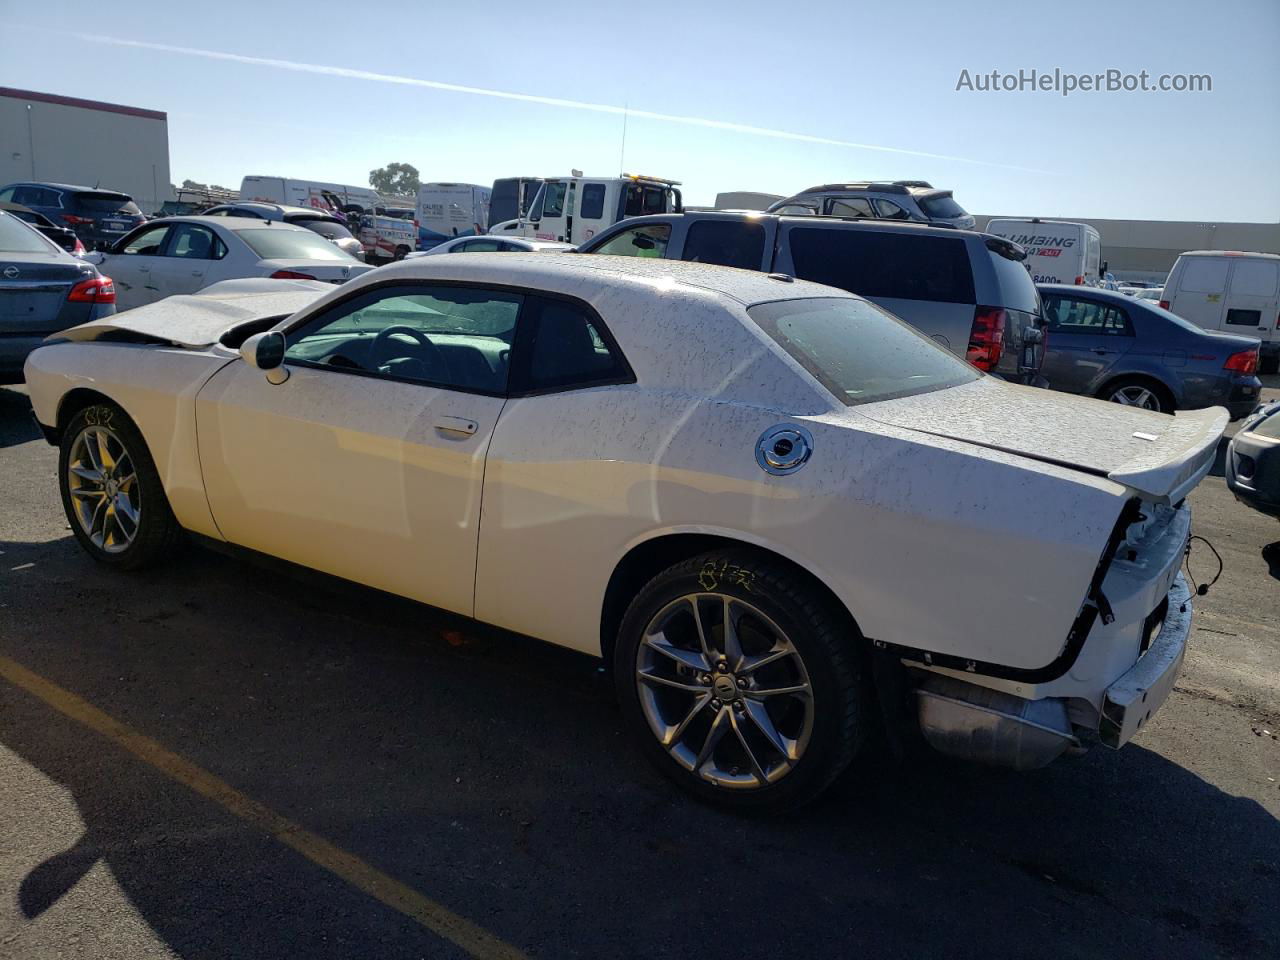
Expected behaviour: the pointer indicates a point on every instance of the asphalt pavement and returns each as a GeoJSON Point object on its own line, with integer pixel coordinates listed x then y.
{"type": "Point", "coordinates": [220, 759]}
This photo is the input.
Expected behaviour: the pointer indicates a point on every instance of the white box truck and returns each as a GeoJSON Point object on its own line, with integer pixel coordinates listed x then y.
{"type": "Point", "coordinates": [1231, 291]}
{"type": "Point", "coordinates": [574, 209]}
{"type": "Point", "coordinates": [1058, 251]}
{"type": "Point", "coordinates": [448, 210]}
{"type": "Point", "coordinates": [333, 197]}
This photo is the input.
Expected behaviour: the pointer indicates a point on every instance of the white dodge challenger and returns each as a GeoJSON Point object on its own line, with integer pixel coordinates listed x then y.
{"type": "Point", "coordinates": [784, 518]}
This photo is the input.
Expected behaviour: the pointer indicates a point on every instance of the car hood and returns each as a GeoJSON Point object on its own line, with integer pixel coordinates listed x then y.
{"type": "Point", "coordinates": [1156, 455]}
{"type": "Point", "coordinates": [200, 320]}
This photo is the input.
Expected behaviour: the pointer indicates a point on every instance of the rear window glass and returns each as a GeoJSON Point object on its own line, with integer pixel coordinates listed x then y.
{"type": "Point", "coordinates": [17, 237]}
{"type": "Point", "coordinates": [1255, 278]}
{"type": "Point", "coordinates": [1017, 290]}
{"type": "Point", "coordinates": [725, 242]}
{"type": "Point", "coordinates": [326, 228]}
{"type": "Point", "coordinates": [107, 203]}
{"type": "Point", "coordinates": [858, 351]}
{"type": "Point", "coordinates": [272, 243]}
{"type": "Point", "coordinates": [941, 207]}
{"type": "Point", "coordinates": [1204, 276]}
{"type": "Point", "coordinates": [881, 264]}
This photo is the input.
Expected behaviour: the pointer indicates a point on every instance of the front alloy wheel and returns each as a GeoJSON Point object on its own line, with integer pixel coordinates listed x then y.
{"type": "Point", "coordinates": [103, 485]}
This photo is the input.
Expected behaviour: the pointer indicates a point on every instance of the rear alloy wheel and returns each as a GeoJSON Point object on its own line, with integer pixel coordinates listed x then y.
{"type": "Point", "coordinates": [740, 682]}
{"type": "Point", "coordinates": [1143, 394]}
{"type": "Point", "coordinates": [111, 490]}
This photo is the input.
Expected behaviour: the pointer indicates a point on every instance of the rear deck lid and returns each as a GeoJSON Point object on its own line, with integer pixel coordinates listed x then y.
{"type": "Point", "coordinates": [1157, 456]}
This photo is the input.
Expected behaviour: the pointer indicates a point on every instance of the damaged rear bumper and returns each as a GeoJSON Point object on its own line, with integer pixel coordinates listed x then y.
{"type": "Point", "coordinates": [1131, 700]}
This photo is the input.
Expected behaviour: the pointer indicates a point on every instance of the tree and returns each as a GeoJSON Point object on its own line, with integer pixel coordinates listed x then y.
{"type": "Point", "coordinates": [396, 180]}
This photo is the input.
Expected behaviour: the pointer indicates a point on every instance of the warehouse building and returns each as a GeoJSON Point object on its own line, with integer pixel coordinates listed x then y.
{"type": "Point", "coordinates": [55, 139]}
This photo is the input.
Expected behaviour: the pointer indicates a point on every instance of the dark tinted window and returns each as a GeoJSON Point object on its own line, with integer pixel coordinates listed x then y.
{"type": "Point", "coordinates": [107, 203]}
{"type": "Point", "coordinates": [643, 200]}
{"type": "Point", "coordinates": [326, 228]}
{"type": "Point", "coordinates": [888, 210]}
{"type": "Point", "coordinates": [857, 351]}
{"type": "Point", "coordinates": [592, 201]}
{"type": "Point", "coordinates": [728, 243]}
{"type": "Point", "coordinates": [1244, 318]}
{"type": "Point", "coordinates": [942, 207]}
{"type": "Point", "coordinates": [566, 349]}
{"type": "Point", "coordinates": [881, 264]}
{"type": "Point", "coordinates": [37, 197]}
{"type": "Point", "coordinates": [1017, 289]}
{"type": "Point", "coordinates": [504, 200]}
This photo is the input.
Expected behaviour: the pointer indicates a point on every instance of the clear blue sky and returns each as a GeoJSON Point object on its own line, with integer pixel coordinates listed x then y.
{"type": "Point", "coordinates": [883, 75]}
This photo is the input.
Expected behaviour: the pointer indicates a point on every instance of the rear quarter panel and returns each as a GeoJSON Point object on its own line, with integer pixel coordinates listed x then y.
{"type": "Point", "coordinates": [156, 387]}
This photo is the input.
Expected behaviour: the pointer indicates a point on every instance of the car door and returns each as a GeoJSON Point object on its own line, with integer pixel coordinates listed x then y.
{"type": "Point", "coordinates": [190, 250]}
{"type": "Point", "coordinates": [130, 265]}
{"type": "Point", "coordinates": [1086, 340]}
{"type": "Point", "coordinates": [1253, 298]}
{"type": "Point", "coordinates": [1200, 295]}
{"type": "Point", "coordinates": [366, 462]}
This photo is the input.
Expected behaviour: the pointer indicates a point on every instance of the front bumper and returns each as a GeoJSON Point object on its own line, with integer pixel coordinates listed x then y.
{"type": "Point", "coordinates": [1130, 701]}
{"type": "Point", "coordinates": [1253, 471]}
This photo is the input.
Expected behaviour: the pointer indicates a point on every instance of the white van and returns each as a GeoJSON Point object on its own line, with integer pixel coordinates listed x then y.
{"type": "Point", "coordinates": [1058, 251]}
{"type": "Point", "coordinates": [574, 209]}
{"type": "Point", "coordinates": [1229, 291]}
{"type": "Point", "coordinates": [448, 210]}
{"type": "Point", "coordinates": [332, 197]}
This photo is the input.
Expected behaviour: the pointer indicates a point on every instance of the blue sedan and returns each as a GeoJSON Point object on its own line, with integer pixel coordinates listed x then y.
{"type": "Point", "coordinates": [1107, 345]}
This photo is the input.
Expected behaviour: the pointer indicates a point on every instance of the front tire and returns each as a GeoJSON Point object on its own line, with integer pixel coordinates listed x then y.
{"type": "Point", "coordinates": [111, 490]}
{"type": "Point", "coordinates": [741, 682]}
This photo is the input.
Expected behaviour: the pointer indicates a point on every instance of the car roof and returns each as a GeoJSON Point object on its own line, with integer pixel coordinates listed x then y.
{"type": "Point", "coordinates": [589, 274]}
{"type": "Point", "coordinates": [860, 223]}
{"type": "Point", "coordinates": [78, 188]}
{"type": "Point", "coordinates": [1229, 253]}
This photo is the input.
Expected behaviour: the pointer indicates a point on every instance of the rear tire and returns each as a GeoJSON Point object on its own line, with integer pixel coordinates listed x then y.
{"type": "Point", "coordinates": [111, 490]}
{"type": "Point", "coordinates": [1142, 392]}
{"type": "Point", "coordinates": [1269, 365]}
{"type": "Point", "coordinates": [401, 253]}
{"type": "Point", "coordinates": [763, 723]}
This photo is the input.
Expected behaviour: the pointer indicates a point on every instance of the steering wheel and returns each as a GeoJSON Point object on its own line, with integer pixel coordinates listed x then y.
{"type": "Point", "coordinates": [429, 352]}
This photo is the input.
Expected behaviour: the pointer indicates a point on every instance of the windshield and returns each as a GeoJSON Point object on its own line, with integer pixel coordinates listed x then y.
{"type": "Point", "coordinates": [107, 203]}
{"type": "Point", "coordinates": [858, 351]}
{"type": "Point", "coordinates": [941, 207]}
{"type": "Point", "coordinates": [17, 237]}
{"type": "Point", "coordinates": [276, 244]}
{"type": "Point", "coordinates": [326, 228]}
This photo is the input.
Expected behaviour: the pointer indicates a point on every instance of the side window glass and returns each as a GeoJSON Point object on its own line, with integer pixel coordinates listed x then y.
{"type": "Point", "coordinates": [1115, 324]}
{"type": "Point", "coordinates": [728, 243]}
{"type": "Point", "coordinates": [566, 349]}
{"type": "Point", "coordinates": [450, 337]}
{"type": "Point", "coordinates": [478, 246]}
{"type": "Point", "coordinates": [648, 241]}
{"type": "Point", "coordinates": [6, 196]}
{"type": "Point", "coordinates": [191, 241]}
{"type": "Point", "coordinates": [850, 207]}
{"type": "Point", "coordinates": [798, 210]}
{"type": "Point", "coordinates": [592, 201]}
{"type": "Point", "coordinates": [888, 210]}
{"type": "Point", "coordinates": [553, 205]}
{"type": "Point", "coordinates": [1082, 316]}
{"type": "Point", "coordinates": [148, 243]}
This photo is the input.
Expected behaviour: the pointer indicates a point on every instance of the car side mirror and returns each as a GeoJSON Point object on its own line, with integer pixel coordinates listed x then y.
{"type": "Point", "coordinates": [266, 352]}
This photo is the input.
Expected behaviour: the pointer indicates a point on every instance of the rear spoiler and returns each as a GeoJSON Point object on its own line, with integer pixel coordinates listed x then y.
{"type": "Point", "coordinates": [1178, 459]}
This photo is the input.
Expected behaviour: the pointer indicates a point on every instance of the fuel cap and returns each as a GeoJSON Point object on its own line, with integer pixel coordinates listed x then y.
{"type": "Point", "coordinates": [783, 449]}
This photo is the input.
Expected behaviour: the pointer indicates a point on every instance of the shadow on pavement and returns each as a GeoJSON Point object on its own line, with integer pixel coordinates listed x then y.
{"type": "Point", "coordinates": [1271, 554]}
{"type": "Point", "coordinates": [16, 425]}
{"type": "Point", "coordinates": [489, 773]}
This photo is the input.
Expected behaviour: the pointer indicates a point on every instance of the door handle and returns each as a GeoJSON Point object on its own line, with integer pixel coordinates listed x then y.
{"type": "Point", "coordinates": [1100, 351]}
{"type": "Point", "coordinates": [457, 425]}
{"type": "Point", "coordinates": [197, 273]}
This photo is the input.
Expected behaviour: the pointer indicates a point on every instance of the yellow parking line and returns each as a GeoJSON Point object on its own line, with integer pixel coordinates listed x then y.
{"type": "Point", "coordinates": [361, 875]}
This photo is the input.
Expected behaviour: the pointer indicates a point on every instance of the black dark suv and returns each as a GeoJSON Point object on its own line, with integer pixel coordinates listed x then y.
{"type": "Point", "coordinates": [98, 217]}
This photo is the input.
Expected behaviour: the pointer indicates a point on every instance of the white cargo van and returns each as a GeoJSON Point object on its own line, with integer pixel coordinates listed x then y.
{"type": "Point", "coordinates": [1229, 291]}
{"type": "Point", "coordinates": [1058, 251]}
{"type": "Point", "coordinates": [574, 209]}
{"type": "Point", "coordinates": [448, 210]}
{"type": "Point", "coordinates": [333, 197]}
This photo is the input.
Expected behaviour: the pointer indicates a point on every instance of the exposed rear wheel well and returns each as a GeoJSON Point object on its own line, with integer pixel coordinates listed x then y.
{"type": "Point", "coordinates": [648, 559]}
